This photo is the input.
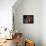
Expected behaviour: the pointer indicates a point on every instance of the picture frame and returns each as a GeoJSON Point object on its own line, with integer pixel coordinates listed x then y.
{"type": "Point", "coordinates": [28, 19]}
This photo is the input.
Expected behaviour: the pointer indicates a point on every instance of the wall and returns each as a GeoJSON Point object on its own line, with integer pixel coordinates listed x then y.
{"type": "Point", "coordinates": [43, 22]}
{"type": "Point", "coordinates": [6, 13]}
{"type": "Point", "coordinates": [28, 7]}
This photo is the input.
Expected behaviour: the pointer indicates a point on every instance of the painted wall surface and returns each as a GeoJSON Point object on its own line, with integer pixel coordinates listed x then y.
{"type": "Point", "coordinates": [28, 7]}
{"type": "Point", "coordinates": [43, 22]}
{"type": "Point", "coordinates": [6, 13]}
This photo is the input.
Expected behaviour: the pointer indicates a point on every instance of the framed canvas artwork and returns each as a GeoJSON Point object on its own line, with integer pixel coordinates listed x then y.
{"type": "Point", "coordinates": [28, 19]}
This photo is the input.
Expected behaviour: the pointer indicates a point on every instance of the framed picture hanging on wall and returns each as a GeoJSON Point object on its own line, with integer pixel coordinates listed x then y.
{"type": "Point", "coordinates": [28, 19]}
